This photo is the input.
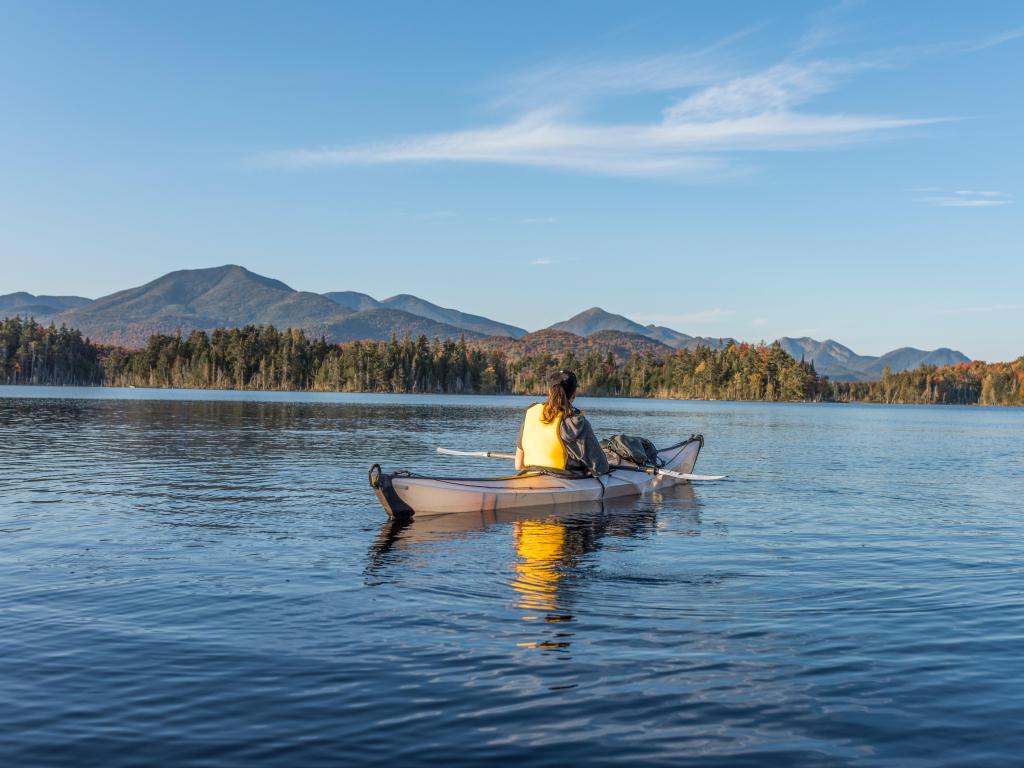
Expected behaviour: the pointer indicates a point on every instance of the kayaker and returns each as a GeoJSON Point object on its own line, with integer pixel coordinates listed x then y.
{"type": "Point", "coordinates": [556, 435]}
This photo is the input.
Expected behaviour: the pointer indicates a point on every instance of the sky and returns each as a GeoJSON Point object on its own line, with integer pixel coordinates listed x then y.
{"type": "Point", "coordinates": [845, 170]}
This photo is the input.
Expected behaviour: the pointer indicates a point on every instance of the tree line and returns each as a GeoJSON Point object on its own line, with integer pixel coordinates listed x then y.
{"type": "Point", "coordinates": [264, 358]}
{"type": "Point", "coordinates": [962, 384]}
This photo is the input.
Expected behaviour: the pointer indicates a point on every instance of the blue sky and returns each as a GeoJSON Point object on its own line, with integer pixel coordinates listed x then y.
{"type": "Point", "coordinates": [847, 170]}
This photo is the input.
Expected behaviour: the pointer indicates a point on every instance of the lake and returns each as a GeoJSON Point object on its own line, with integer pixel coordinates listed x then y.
{"type": "Point", "coordinates": [206, 578]}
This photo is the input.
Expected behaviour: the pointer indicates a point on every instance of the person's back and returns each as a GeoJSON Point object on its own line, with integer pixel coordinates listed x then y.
{"type": "Point", "coordinates": [555, 435]}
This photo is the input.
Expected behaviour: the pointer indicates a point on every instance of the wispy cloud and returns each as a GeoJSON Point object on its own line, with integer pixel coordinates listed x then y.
{"type": "Point", "coordinates": [698, 317]}
{"type": "Point", "coordinates": [540, 220]}
{"type": "Point", "coordinates": [967, 198]}
{"type": "Point", "coordinates": [993, 40]}
{"type": "Point", "coordinates": [714, 112]}
{"type": "Point", "coordinates": [828, 26]}
{"type": "Point", "coordinates": [540, 262]}
{"type": "Point", "coordinates": [574, 82]}
{"type": "Point", "coordinates": [676, 146]}
{"type": "Point", "coordinates": [759, 322]}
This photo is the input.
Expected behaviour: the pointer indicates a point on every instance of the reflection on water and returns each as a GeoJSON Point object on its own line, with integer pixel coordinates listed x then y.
{"type": "Point", "coordinates": [550, 545]}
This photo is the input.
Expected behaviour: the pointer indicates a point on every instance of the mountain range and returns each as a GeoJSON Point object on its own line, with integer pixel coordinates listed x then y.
{"type": "Point", "coordinates": [841, 363]}
{"type": "Point", "coordinates": [230, 296]}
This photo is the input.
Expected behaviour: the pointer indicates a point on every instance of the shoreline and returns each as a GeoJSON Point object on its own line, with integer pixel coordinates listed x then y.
{"type": "Point", "coordinates": [237, 394]}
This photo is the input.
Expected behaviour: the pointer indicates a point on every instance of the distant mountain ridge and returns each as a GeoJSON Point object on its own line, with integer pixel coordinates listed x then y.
{"type": "Point", "coordinates": [231, 296]}
{"type": "Point", "coordinates": [830, 358]}
{"type": "Point", "coordinates": [841, 363]}
{"type": "Point", "coordinates": [551, 341]}
{"type": "Point", "coordinates": [39, 306]}
{"type": "Point", "coordinates": [414, 305]}
{"type": "Point", "coordinates": [596, 320]}
{"type": "Point", "coordinates": [353, 300]}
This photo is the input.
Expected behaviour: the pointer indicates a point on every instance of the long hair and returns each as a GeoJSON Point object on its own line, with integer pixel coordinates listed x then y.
{"type": "Point", "coordinates": [561, 387]}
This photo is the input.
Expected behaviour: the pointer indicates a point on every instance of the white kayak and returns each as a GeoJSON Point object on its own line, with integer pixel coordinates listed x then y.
{"type": "Point", "coordinates": [405, 493]}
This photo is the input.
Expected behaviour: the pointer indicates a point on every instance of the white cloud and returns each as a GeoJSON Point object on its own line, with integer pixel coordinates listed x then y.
{"type": "Point", "coordinates": [979, 193]}
{"type": "Point", "coordinates": [540, 220]}
{"type": "Point", "coordinates": [715, 113]}
{"type": "Point", "coordinates": [827, 26]}
{"type": "Point", "coordinates": [968, 198]}
{"type": "Point", "coordinates": [993, 40]}
{"type": "Point", "coordinates": [672, 147]}
{"type": "Point", "coordinates": [574, 82]}
{"type": "Point", "coordinates": [774, 90]}
{"type": "Point", "coordinates": [542, 262]}
{"type": "Point", "coordinates": [759, 322]}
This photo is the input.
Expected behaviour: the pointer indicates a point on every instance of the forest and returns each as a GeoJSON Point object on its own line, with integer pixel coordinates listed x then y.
{"type": "Point", "coordinates": [264, 358]}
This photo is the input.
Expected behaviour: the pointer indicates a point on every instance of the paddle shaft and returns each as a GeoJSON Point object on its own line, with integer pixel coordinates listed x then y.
{"type": "Point", "coordinates": [477, 454]}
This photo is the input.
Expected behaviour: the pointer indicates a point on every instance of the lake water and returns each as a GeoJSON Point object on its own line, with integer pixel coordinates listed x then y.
{"type": "Point", "coordinates": [207, 579]}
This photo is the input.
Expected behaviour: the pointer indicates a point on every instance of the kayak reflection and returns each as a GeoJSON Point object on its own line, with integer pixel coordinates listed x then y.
{"type": "Point", "coordinates": [551, 548]}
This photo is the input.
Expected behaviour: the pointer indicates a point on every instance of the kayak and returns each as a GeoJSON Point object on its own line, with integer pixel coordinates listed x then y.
{"type": "Point", "coordinates": [405, 493]}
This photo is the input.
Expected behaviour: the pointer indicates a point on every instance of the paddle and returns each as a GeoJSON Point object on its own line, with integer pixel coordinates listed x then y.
{"type": "Point", "coordinates": [669, 473]}
{"type": "Point", "coordinates": [647, 470]}
{"type": "Point", "coordinates": [477, 454]}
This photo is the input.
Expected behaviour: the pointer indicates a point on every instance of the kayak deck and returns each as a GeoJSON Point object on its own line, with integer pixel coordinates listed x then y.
{"type": "Point", "coordinates": [403, 493]}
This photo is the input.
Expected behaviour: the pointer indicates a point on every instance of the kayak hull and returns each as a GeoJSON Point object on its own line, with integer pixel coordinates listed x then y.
{"type": "Point", "coordinates": [403, 494]}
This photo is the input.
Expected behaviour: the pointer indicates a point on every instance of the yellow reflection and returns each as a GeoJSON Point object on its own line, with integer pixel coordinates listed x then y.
{"type": "Point", "coordinates": [541, 548]}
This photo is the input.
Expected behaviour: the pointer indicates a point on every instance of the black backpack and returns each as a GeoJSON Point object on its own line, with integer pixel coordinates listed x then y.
{"type": "Point", "coordinates": [631, 449]}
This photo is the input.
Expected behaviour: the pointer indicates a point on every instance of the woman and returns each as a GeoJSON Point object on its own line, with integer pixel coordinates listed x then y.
{"type": "Point", "coordinates": [555, 435]}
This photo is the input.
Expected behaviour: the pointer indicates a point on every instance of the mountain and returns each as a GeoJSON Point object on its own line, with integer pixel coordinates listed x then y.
{"type": "Point", "coordinates": [830, 357]}
{"type": "Point", "coordinates": [414, 305]}
{"type": "Point", "coordinates": [381, 324]}
{"type": "Point", "coordinates": [908, 359]}
{"type": "Point", "coordinates": [39, 307]}
{"type": "Point", "coordinates": [203, 299]}
{"type": "Point", "coordinates": [417, 306]}
{"type": "Point", "coordinates": [841, 363]}
{"type": "Point", "coordinates": [596, 320]}
{"type": "Point", "coordinates": [556, 343]}
{"type": "Point", "coordinates": [353, 300]}
{"type": "Point", "coordinates": [232, 296]}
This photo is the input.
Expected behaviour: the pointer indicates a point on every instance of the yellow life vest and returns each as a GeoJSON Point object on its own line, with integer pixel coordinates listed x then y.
{"type": "Point", "coordinates": [542, 443]}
